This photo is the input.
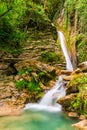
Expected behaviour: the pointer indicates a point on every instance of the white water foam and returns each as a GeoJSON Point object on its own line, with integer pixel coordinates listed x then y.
{"type": "Point", "coordinates": [39, 107]}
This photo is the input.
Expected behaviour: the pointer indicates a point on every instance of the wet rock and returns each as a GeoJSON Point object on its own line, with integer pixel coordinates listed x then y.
{"type": "Point", "coordinates": [77, 71]}
{"type": "Point", "coordinates": [66, 72]}
{"type": "Point", "coordinates": [73, 114]}
{"type": "Point", "coordinates": [82, 125]}
{"type": "Point", "coordinates": [66, 100]}
{"type": "Point", "coordinates": [68, 78]}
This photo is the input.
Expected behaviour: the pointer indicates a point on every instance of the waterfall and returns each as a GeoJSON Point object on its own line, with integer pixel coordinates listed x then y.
{"type": "Point", "coordinates": [54, 94]}
{"type": "Point", "coordinates": [69, 65]}
{"type": "Point", "coordinates": [48, 102]}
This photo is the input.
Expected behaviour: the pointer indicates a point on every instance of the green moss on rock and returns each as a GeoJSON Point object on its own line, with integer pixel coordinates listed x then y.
{"type": "Point", "coordinates": [76, 98]}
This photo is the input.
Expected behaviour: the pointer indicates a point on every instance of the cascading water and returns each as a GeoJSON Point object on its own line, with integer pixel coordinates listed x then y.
{"type": "Point", "coordinates": [55, 93]}
{"type": "Point", "coordinates": [69, 65]}
{"type": "Point", "coordinates": [43, 120]}
{"type": "Point", "coordinates": [48, 102]}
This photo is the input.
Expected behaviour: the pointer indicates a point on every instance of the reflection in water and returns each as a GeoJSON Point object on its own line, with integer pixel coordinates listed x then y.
{"type": "Point", "coordinates": [33, 120]}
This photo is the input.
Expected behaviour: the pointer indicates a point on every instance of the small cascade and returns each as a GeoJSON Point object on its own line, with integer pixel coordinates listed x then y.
{"type": "Point", "coordinates": [54, 94]}
{"type": "Point", "coordinates": [69, 65]}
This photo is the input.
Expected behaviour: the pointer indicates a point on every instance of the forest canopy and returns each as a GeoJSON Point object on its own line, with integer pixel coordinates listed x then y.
{"type": "Point", "coordinates": [16, 16]}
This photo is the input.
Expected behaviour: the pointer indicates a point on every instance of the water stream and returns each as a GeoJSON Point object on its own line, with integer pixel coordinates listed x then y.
{"type": "Point", "coordinates": [47, 114]}
{"type": "Point", "coordinates": [69, 65]}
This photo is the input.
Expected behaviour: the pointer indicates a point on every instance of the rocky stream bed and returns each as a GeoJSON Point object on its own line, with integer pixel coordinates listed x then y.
{"type": "Point", "coordinates": [35, 61]}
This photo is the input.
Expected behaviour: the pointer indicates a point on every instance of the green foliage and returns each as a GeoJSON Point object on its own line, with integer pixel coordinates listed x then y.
{"type": "Point", "coordinates": [81, 45]}
{"type": "Point", "coordinates": [21, 84]}
{"type": "Point", "coordinates": [25, 71]}
{"type": "Point", "coordinates": [76, 14]}
{"type": "Point", "coordinates": [54, 8]}
{"type": "Point", "coordinates": [29, 69]}
{"type": "Point", "coordinates": [79, 104]}
{"type": "Point", "coordinates": [51, 57]}
{"type": "Point", "coordinates": [21, 71]}
{"type": "Point", "coordinates": [30, 86]}
{"type": "Point", "coordinates": [33, 85]}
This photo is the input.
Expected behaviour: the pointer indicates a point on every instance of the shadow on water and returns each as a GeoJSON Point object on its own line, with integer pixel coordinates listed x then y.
{"type": "Point", "coordinates": [37, 120]}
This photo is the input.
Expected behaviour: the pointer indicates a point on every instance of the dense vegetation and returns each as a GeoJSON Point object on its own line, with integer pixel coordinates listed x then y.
{"type": "Point", "coordinates": [75, 16]}
{"type": "Point", "coordinates": [79, 86]}
{"type": "Point", "coordinates": [16, 16]}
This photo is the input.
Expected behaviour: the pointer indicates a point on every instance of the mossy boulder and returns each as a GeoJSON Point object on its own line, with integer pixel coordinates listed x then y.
{"type": "Point", "coordinates": [77, 83]}
{"type": "Point", "coordinates": [76, 98]}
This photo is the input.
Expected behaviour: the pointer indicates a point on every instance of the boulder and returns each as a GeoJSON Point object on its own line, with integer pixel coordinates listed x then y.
{"type": "Point", "coordinates": [68, 78]}
{"type": "Point", "coordinates": [35, 64]}
{"type": "Point", "coordinates": [82, 125]}
{"type": "Point", "coordinates": [76, 84]}
{"type": "Point", "coordinates": [73, 114]}
{"type": "Point", "coordinates": [66, 100]}
{"type": "Point", "coordinates": [66, 72]}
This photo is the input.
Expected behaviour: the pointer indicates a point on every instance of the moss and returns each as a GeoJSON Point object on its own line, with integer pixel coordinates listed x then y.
{"type": "Point", "coordinates": [81, 45]}
{"type": "Point", "coordinates": [51, 57]}
{"type": "Point", "coordinates": [79, 85]}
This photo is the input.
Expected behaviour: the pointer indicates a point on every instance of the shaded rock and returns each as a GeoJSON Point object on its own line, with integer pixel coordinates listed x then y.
{"type": "Point", "coordinates": [83, 66]}
{"type": "Point", "coordinates": [66, 72]}
{"type": "Point", "coordinates": [36, 64]}
{"type": "Point", "coordinates": [3, 65]}
{"type": "Point", "coordinates": [66, 100]}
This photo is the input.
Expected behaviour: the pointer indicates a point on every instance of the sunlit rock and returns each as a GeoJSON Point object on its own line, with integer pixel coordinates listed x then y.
{"type": "Point", "coordinates": [82, 125]}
